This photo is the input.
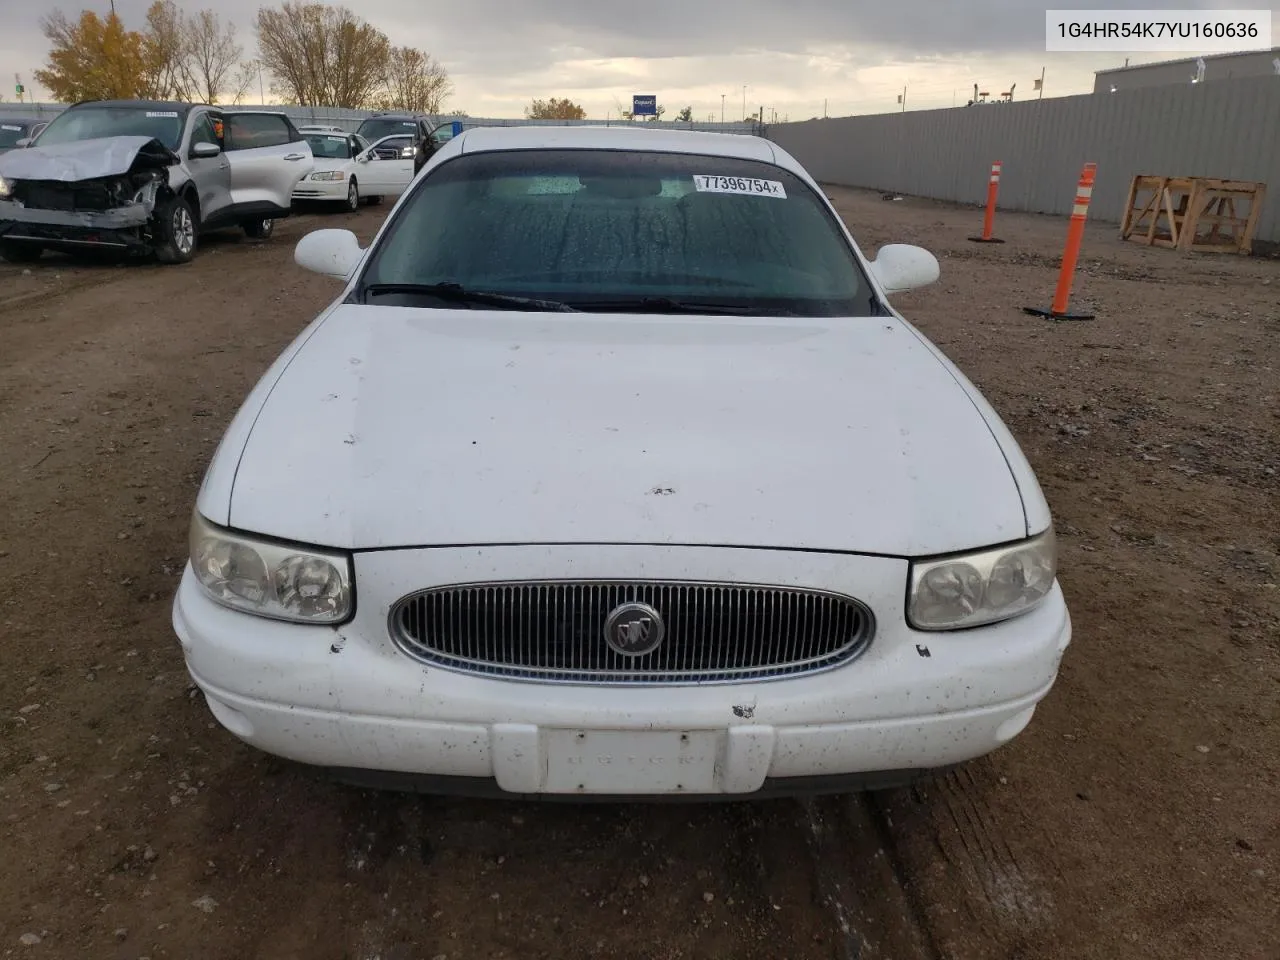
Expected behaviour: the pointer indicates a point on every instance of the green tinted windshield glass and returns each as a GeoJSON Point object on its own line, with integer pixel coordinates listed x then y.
{"type": "Point", "coordinates": [329, 146]}
{"type": "Point", "coordinates": [91, 122]}
{"type": "Point", "coordinates": [582, 226]}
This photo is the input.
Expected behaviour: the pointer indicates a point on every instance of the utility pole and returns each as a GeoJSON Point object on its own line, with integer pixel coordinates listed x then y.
{"type": "Point", "coordinates": [262, 97]}
{"type": "Point", "coordinates": [1041, 97]}
{"type": "Point", "coordinates": [824, 108]}
{"type": "Point", "coordinates": [903, 99]}
{"type": "Point", "coordinates": [722, 96]}
{"type": "Point", "coordinates": [744, 103]}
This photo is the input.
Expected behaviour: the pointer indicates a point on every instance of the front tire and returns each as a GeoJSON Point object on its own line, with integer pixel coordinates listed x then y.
{"type": "Point", "coordinates": [20, 252]}
{"type": "Point", "coordinates": [353, 196]}
{"type": "Point", "coordinates": [260, 229]}
{"type": "Point", "coordinates": [176, 232]}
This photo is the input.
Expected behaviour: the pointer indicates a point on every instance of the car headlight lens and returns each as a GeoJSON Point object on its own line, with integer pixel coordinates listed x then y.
{"type": "Point", "coordinates": [280, 581]}
{"type": "Point", "coordinates": [329, 175]}
{"type": "Point", "coordinates": [982, 587]}
{"type": "Point", "coordinates": [6, 188]}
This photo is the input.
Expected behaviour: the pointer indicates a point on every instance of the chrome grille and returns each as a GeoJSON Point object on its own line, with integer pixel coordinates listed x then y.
{"type": "Point", "coordinates": [554, 630]}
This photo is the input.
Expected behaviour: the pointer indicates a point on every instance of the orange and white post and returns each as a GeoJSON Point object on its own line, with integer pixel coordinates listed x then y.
{"type": "Point", "coordinates": [988, 221]}
{"type": "Point", "coordinates": [1075, 234]}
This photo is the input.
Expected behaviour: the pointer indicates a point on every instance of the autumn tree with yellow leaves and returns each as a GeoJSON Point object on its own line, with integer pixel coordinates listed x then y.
{"type": "Point", "coordinates": [177, 57]}
{"type": "Point", "coordinates": [93, 58]}
{"type": "Point", "coordinates": [554, 109]}
{"type": "Point", "coordinates": [317, 54]}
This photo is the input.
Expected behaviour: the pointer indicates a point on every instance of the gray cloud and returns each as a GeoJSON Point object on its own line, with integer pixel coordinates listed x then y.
{"type": "Point", "coordinates": [502, 51]}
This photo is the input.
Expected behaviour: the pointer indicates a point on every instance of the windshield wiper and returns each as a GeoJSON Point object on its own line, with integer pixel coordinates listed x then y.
{"type": "Point", "coordinates": [460, 294]}
{"type": "Point", "coordinates": [664, 305]}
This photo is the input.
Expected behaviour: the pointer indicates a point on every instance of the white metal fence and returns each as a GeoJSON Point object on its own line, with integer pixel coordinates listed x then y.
{"type": "Point", "coordinates": [350, 119]}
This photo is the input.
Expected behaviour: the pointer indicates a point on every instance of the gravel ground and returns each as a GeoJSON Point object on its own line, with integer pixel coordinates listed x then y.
{"type": "Point", "coordinates": [1135, 817]}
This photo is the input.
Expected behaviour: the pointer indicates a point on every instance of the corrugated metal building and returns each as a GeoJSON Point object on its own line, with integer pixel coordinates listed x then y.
{"type": "Point", "coordinates": [1221, 66]}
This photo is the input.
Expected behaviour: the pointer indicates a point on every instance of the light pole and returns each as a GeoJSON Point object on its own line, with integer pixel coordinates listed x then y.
{"type": "Point", "coordinates": [744, 103]}
{"type": "Point", "coordinates": [722, 96]}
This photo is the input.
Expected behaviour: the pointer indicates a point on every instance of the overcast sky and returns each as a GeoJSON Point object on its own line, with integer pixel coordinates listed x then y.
{"type": "Point", "coordinates": [790, 54]}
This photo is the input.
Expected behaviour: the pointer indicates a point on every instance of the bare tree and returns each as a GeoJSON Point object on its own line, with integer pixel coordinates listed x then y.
{"type": "Point", "coordinates": [166, 50]}
{"type": "Point", "coordinates": [247, 75]}
{"type": "Point", "coordinates": [414, 82]}
{"type": "Point", "coordinates": [212, 53]}
{"type": "Point", "coordinates": [320, 55]}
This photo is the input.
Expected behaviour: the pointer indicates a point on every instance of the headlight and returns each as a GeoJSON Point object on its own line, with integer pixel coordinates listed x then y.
{"type": "Point", "coordinates": [276, 580]}
{"type": "Point", "coordinates": [329, 175]}
{"type": "Point", "coordinates": [982, 587]}
{"type": "Point", "coordinates": [6, 188]}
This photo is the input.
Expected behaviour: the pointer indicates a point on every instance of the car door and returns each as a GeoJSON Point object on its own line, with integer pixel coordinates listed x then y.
{"type": "Point", "coordinates": [384, 169]}
{"type": "Point", "coordinates": [268, 157]}
{"type": "Point", "coordinates": [211, 175]}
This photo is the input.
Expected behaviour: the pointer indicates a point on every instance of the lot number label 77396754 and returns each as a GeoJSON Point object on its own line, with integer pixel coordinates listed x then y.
{"type": "Point", "coordinates": [762, 188]}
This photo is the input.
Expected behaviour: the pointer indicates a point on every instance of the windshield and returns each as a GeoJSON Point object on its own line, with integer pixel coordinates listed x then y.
{"type": "Point", "coordinates": [89, 123]}
{"type": "Point", "coordinates": [375, 128]}
{"type": "Point", "coordinates": [329, 146]}
{"type": "Point", "coordinates": [604, 229]}
{"type": "Point", "coordinates": [11, 133]}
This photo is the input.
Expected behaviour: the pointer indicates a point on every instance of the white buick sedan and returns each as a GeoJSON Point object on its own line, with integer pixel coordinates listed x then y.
{"type": "Point", "coordinates": [612, 471]}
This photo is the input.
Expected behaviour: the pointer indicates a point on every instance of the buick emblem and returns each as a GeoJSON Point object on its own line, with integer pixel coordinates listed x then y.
{"type": "Point", "coordinates": [634, 629]}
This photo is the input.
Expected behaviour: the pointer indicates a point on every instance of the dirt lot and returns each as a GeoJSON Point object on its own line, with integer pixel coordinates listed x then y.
{"type": "Point", "coordinates": [1136, 817]}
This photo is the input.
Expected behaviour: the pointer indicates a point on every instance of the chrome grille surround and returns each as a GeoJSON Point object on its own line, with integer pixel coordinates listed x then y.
{"type": "Point", "coordinates": [553, 630]}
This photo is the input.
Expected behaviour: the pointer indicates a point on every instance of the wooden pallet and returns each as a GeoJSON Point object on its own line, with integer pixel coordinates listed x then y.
{"type": "Point", "coordinates": [1193, 214]}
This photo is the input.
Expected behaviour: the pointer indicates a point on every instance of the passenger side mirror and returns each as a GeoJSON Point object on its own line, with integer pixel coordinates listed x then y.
{"type": "Point", "coordinates": [330, 253]}
{"type": "Point", "coordinates": [24, 142]}
{"type": "Point", "coordinates": [903, 266]}
{"type": "Point", "coordinates": [205, 150]}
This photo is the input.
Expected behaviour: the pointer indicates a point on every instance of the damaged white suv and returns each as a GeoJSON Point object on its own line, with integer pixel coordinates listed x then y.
{"type": "Point", "coordinates": [147, 177]}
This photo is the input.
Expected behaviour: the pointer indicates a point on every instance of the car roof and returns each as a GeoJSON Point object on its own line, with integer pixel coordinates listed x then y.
{"type": "Point", "coordinates": [137, 104]}
{"type": "Point", "coordinates": [627, 137]}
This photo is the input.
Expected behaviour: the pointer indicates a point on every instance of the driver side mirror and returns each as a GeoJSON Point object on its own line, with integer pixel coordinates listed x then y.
{"type": "Point", "coordinates": [204, 150]}
{"type": "Point", "coordinates": [330, 253]}
{"type": "Point", "coordinates": [903, 266]}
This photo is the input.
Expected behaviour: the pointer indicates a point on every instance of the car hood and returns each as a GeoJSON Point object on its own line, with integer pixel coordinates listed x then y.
{"type": "Point", "coordinates": [86, 159]}
{"type": "Point", "coordinates": [394, 426]}
{"type": "Point", "coordinates": [330, 163]}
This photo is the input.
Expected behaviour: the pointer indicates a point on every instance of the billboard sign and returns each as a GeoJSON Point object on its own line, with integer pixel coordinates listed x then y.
{"type": "Point", "coordinates": [644, 105]}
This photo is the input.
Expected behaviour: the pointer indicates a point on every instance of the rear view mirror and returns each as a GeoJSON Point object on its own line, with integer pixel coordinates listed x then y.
{"type": "Point", "coordinates": [902, 266]}
{"type": "Point", "coordinates": [205, 150]}
{"type": "Point", "coordinates": [330, 253]}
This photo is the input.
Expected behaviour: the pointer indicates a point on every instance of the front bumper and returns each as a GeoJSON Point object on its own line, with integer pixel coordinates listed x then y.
{"type": "Point", "coordinates": [320, 190]}
{"type": "Point", "coordinates": [56, 229]}
{"type": "Point", "coordinates": [347, 698]}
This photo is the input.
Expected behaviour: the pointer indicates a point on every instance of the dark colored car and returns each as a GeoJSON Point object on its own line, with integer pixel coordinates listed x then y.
{"type": "Point", "coordinates": [12, 132]}
{"type": "Point", "coordinates": [416, 125]}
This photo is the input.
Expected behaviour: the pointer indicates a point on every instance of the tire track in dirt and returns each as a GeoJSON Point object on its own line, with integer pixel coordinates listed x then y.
{"type": "Point", "coordinates": [129, 809]}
